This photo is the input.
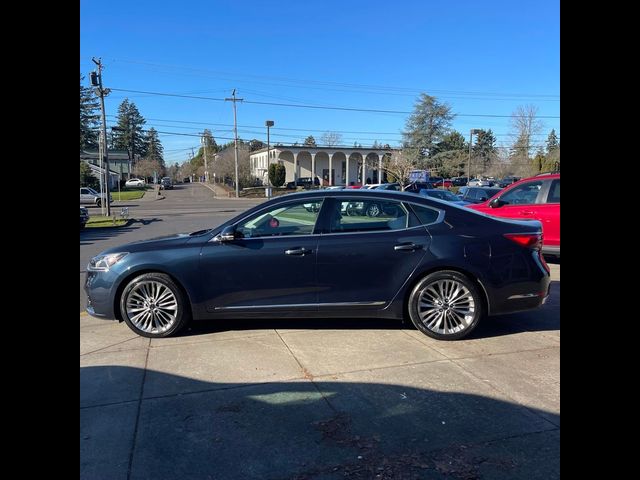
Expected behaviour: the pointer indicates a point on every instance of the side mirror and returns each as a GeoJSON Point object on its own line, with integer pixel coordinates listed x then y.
{"type": "Point", "coordinates": [496, 203]}
{"type": "Point", "coordinates": [228, 234]}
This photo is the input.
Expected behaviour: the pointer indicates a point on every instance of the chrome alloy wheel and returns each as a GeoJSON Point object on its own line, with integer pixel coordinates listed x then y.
{"type": "Point", "coordinates": [152, 307]}
{"type": "Point", "coordinates": [446, 307]}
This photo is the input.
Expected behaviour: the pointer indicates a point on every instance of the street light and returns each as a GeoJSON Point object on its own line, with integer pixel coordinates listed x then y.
{"type": "Point", "coordinates": [471, 132]}
{"type": "Point", "coordinates": [268, 124]}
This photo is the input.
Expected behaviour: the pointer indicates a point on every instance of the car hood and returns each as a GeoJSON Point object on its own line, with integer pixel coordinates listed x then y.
{"type": "Point", "coordinates": [151, 244]}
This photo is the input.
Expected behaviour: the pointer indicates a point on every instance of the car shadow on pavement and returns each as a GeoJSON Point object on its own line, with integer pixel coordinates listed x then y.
{"type": "Point", "coordinates": [91, 235]}
{"type": "Point", "coordinates": [140, 423]}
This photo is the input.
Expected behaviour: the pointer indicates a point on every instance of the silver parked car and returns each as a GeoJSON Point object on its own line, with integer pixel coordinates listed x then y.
{"type": "Point", "coordinates": [88, 196]}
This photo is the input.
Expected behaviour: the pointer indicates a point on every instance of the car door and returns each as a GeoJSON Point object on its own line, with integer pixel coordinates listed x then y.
{"type": "Point", "coordinates": [549, 214]}
{"type": "Point", "coordinates": [86, 196]}
{"type": "Point", "coordinates": [363, 261]}
{"type": "Point", "coordinates": [269, 267]}
{"type": "Point", "coordinates": [529, 200]}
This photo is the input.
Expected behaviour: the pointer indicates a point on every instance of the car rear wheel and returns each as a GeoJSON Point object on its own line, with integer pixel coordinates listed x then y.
{"type": "Point", "coordinates": [373, 210]}
{"type": "Point", "coordinates": [445, 305]}
{"type": "Point", "coordinates": [98, 202]}
{"type": "Point", "coordinates": [153, 306]}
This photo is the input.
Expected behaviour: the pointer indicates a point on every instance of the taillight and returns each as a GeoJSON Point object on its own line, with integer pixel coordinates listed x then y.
{"type": "Point", "coordinates": [528, 240]}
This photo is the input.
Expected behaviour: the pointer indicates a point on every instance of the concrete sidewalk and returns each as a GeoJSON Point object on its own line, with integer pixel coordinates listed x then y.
{"type": "Point", "coordinates": [330, 399]}
{"type": "Point", "coordinates": [217, 190]}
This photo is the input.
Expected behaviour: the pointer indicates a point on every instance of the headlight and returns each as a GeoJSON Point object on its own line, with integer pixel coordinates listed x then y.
{"type": "Point", "coordinates": [102, 263]}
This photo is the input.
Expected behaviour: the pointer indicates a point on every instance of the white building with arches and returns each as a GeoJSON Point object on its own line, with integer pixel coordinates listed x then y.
{"type": "Point", "coordinates": [332, 165]}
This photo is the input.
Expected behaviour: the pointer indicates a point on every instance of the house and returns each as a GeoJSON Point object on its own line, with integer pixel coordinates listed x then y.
{"type": "Point", "coordinates": [333, 165]}
{"type": "Point", "coordinates": [119, 163]}
{"type": "Point", "coordinates": [113, 176]}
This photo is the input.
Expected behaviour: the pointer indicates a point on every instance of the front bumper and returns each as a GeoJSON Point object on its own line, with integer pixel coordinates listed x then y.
{"type": "Point", "coordinates": [100, 295]}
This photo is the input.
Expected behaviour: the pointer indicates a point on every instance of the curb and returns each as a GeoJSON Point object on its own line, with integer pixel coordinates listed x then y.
{"type": "Point", "coordinates": [126, 224]}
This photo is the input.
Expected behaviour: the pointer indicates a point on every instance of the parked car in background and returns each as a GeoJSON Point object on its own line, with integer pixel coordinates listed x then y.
{"type": "Point", "coordinates": [186, 180]}
{"type": "Point", "coordinates": [444, 267]}
{"type": "Point", "coordinates": [134, 182]}
{"type": "Point", "coordinates": [84, 216]}
{"type": "Point", "coordinates": [443, 183]}
{"type": "Point", "coordinates": [479, 182]}
{"type": "Point", "coordinates": [417, 186]}
{"type": "Point", "coordinates": [505, 182]}
{"type": "Point", "coordinates": [531, 198]}
{"type": "Point", "coordinates": [389, 186]}
{"type": "Point", "coordinates": [166, 183]}
{"type": "Point", "coordinates": [476, 194]}
{"type": "Point", "coordinates": [459, 181]}
{"type": "Point", "coordinates": [445, 195]}
{"type": "Point", "coordinates": [304, 182]}
{"type": "Point", "coordinates": [88, 196]}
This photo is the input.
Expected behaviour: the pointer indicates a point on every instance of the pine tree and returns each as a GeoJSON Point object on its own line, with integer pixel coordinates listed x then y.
{"type": "Point", "coordinates": [154, 147]}
{"type": "Point", "coordinates": [425, 127]}
{"type": "Point", "coordinates": [552, 141]}
{"type": "Point", "coordinates": [89, 118]}
{"type": "Point", "coordinates": [130, 136]}
{"type": "Point", "coordinates": [310, 141]}
{"type": "Point", "coordinates": [484, 151]}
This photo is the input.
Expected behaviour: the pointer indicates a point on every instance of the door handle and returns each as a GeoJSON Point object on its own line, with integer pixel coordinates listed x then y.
{"type": "Point", "coordinates": [525, 212]}
{"type": "Point", "coordinates": [298, 251]}
{"type": "Point", "coordinates": [412, 247]}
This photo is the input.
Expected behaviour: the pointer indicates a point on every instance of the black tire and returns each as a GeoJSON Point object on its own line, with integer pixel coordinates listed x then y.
{"type": "Point", "coordinates": [445, 305]}
{"type": "Point", "coordinates": [157, 322]}
{"type": "Point", "coordinates": [373, 210]}
{"type": "Point", "coordinates": [98, 202]}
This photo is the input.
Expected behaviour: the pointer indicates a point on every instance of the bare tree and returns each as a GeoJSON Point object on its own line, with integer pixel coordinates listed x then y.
{"type": "Point", "coordinates": [147, 167]}
{"type": "Point", "coordinates": [399, 165]}
{"type": "Point", "coordinates": [524, 126]}
{"type": "Point", "coordinates": [331, 139]}
{"type": "Point", "coordinates": [224, 165]}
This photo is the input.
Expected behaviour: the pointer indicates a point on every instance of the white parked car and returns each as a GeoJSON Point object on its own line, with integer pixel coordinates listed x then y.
{"type": "Point", "coordinates": [134, 182]}
{"type": "Point", "coordinates": [475, 182]}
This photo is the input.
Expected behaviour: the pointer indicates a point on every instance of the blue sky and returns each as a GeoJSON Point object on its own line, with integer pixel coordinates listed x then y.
{"type": "Point", "coordinates": [482, 58]}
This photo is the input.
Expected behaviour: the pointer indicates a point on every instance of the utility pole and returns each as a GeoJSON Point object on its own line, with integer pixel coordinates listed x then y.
{"type": "Point", "coordinates": [203, 140]}
{"type": "Point", "coordinates": [235, 133]}
{"type": "Point", "coordinates": [96, 80]}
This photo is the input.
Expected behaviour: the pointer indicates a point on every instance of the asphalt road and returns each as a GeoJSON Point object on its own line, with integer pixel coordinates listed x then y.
{"type": "Point", "coordinates": [186, 208]}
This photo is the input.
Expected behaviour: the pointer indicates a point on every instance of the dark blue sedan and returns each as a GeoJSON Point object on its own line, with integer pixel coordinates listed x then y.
{"type": "Point", "coordinates": [301, 255]}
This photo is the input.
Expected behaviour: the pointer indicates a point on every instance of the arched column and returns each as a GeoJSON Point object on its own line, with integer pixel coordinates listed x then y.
{"type": "Point", "coordinates": [295, 166]}
{"type": "Point", "coordinates": [379, 168]}
{"type": "Point", "coordinates": [313, 170]}
{"type": "Point", "coordinates": [346, 171]}
{"type": "Point", "coordinates": [330, 169]}
{"type": "Point", "coordinates": [364, 169]}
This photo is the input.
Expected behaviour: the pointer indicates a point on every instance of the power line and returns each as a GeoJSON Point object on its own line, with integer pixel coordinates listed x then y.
{"type": "Point", "coordinates": [320, 107]}
{"type": "Point", "coordinates": [353, 86]}
{"type": "Point", "coordinates": [307, 130]}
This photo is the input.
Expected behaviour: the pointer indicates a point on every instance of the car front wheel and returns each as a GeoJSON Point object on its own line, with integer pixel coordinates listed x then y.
{"type": "Point", "coordinates": [445, 305]}
{"type": "Point", "coordinates": [153, 306]}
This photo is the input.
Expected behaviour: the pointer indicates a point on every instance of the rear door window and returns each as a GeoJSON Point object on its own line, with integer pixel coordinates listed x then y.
{"type": "Point", "coordinates": [554, 192]}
